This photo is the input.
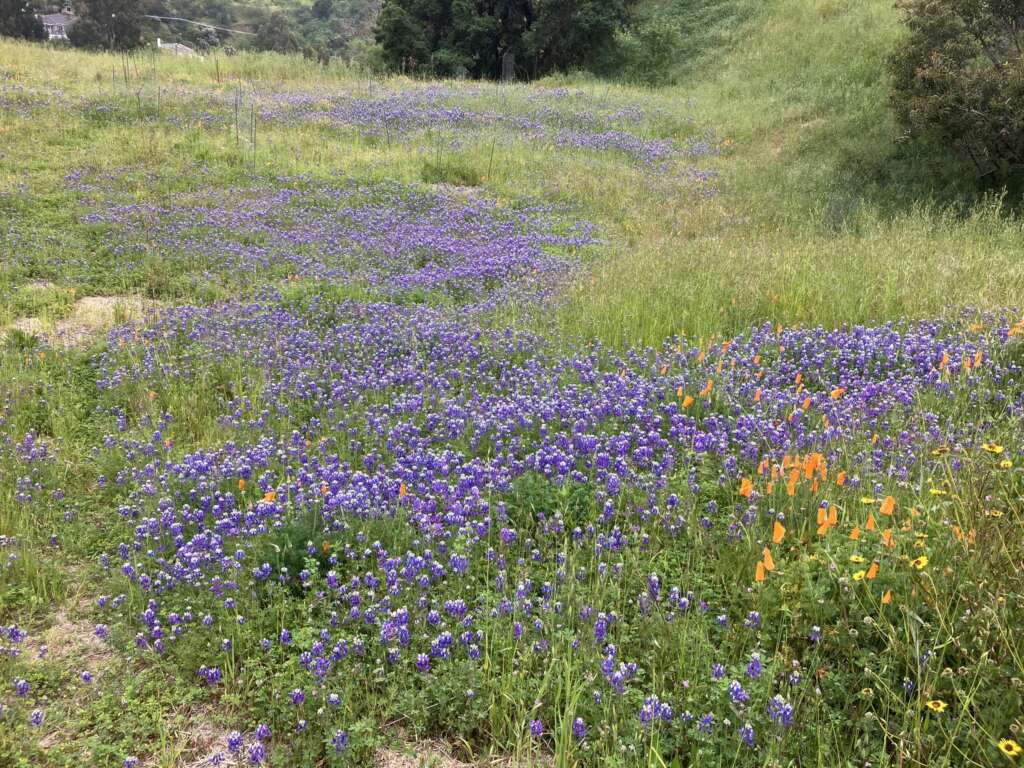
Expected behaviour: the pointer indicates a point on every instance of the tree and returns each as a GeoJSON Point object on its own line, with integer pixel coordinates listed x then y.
{"type": "Point", "coordinates": [276, 34]}
{"type": "Point", "coordinates": [322, 9]}
{"type": "Point", "coordinates": [403, 35]}
{"type": "Point", "coordinates": [18, 20]}
{"type": "Point", "coordinates": [958, 77]}
{"type": "Point", "coordinates": [573, 33]}
{"type": "Point", "coordinates": [445, 35]}
{"type": "Point", "coordinates": [113, 25]}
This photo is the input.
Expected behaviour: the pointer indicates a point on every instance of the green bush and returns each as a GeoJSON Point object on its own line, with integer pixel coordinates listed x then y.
{"type": "Point", "coordinates": [652, 51]}
{"type": "Point", "coordinates": [959, 77]}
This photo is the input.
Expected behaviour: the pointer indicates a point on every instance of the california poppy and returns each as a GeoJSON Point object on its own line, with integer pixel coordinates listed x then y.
{"type": "Point", "coordinates": [778, 531]}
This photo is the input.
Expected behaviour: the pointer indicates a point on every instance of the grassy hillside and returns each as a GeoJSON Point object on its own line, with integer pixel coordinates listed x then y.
{"type": "Point", "coordinates": [570, 424]}
{"type": "Point", "coordinates": [828, 218]}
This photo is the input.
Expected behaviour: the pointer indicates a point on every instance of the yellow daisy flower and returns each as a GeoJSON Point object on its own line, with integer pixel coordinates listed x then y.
{"type": "Point", "coordinates": [920, 562]}
{"type": "Point", "coordinates": [992, 448]}
{"type": "Point", "coordinates": [856, 559]}
{"type": "Point", "coordinates": [1006, 464]}
{"type": "Point", "coordinates": [868, 500]}
{"type": "Point", "coordinates": [936, 705]}
{"type": "Point", "coordinates": [859, 575]}
{"type": "Point", "coordinates": [937, 492]}
{"type": "Point", "coordinates": [1010, 748]}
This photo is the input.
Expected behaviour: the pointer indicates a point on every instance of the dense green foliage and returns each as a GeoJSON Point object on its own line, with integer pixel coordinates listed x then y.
{"type": "Point", "coordinates": [111, 25]}
{"type": "Point", "coordinates": [18, 20]}
{"type": "Point", "coordinates": [445, 37]}
{"type": "Point", "coordinates": [959, 76]}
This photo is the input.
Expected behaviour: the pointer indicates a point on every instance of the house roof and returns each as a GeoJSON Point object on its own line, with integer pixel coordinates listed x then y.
{"type": "Point", "coordinates": [177, 47]}
{"type": "Point", "coordinates": [57, 18]}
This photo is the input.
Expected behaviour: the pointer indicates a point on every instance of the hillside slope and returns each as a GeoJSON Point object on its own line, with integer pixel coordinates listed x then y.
{"type": "Point", "coordinates": [814, 182]}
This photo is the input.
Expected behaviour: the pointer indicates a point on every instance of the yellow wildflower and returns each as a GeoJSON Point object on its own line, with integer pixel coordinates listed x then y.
{"type": "Point", "coordinates": [1010, 748]}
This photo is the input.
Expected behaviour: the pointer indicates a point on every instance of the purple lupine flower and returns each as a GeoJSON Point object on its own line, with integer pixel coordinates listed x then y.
{"type": "Point", "coordinates": [737, 694]}
{"type": "Point", "coordinates": [706, 723]}
{"type": "Point", "coordinates": [257, 753]}
{"type": "Point", "coordinates": [747, 735]}
{"type": "Point", "coordinates": [754, 668]}
{"type": "Point", "coordinates": [780, 711]}
{"type": "Point", "coordinates": [339, 741]}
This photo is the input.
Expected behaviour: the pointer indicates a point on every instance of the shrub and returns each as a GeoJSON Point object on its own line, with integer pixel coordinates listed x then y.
{"type": "Point", "coordinates": [959, 77]}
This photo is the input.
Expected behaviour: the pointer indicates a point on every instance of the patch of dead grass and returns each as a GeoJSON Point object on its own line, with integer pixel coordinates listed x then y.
{"type": "Point", "coordinates": [89, 317]}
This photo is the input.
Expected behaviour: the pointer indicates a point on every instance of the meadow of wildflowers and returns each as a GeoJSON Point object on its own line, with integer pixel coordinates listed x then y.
{"type": "Point", "coordinates": [348, 482]}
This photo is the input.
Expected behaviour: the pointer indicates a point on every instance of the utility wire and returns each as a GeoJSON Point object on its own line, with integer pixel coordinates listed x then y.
{"type": "Point", "coordinates": [197, 23]}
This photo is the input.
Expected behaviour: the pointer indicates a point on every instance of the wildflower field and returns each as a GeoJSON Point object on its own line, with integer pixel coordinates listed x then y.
{"type": "Point", "coordinates": [350, 421]}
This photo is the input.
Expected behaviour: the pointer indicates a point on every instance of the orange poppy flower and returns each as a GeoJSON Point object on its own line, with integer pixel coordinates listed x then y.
{"type": "Point", "coordinates": [778, 531]}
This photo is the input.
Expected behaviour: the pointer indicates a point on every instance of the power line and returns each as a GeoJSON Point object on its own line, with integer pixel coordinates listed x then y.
{"type": "Point", "coordinates": [197, 23]}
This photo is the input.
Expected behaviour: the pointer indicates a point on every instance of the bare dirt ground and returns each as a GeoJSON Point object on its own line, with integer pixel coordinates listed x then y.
{"type": "Point", "coordinates": [89, 317]}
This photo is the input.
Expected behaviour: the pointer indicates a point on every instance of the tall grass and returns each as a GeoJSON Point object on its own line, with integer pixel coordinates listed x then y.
{"type": "Point", "coordinates": [824, 217]}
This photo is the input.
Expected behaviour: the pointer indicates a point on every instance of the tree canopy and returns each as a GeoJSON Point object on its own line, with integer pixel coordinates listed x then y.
{"type": "Point", "coordinates": [959, 76]}
{"type": "Point", "coordinates": [113, 25]}
{"type": "Point", "coordinates": [18, 20]}
{"type": "Point", "coordinates": [444, 36]}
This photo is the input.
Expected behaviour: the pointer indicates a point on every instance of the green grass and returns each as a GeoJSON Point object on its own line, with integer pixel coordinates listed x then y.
{"type": "Point", "coordinates": [821, 218]}
{"type": "Point", "coordinates": [825, 218]}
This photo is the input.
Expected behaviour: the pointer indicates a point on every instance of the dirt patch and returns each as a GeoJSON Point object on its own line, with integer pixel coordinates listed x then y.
{"type": "Point", "coordinates": [70, 639]}
{"type": "Point", "coordinates": [436, 754]}
{"type": "Point", "coordinates": [457, 190]}
{"type": "Point", "coordinates": [201, 741]}
{"type": "Point", "coordinates": [89, 317]}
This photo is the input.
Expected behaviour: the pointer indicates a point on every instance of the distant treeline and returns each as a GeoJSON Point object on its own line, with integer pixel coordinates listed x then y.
{"type": "Point", "coordinates": [639, 40]}
{"type": "Point", "coordinates": [323, 29]}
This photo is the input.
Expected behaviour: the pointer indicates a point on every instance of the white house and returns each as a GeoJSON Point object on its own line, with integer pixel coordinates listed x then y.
{"type": "Point", "coordinates": [176, 48]}
{"type": "Point", "coordinates": [58, 24]}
